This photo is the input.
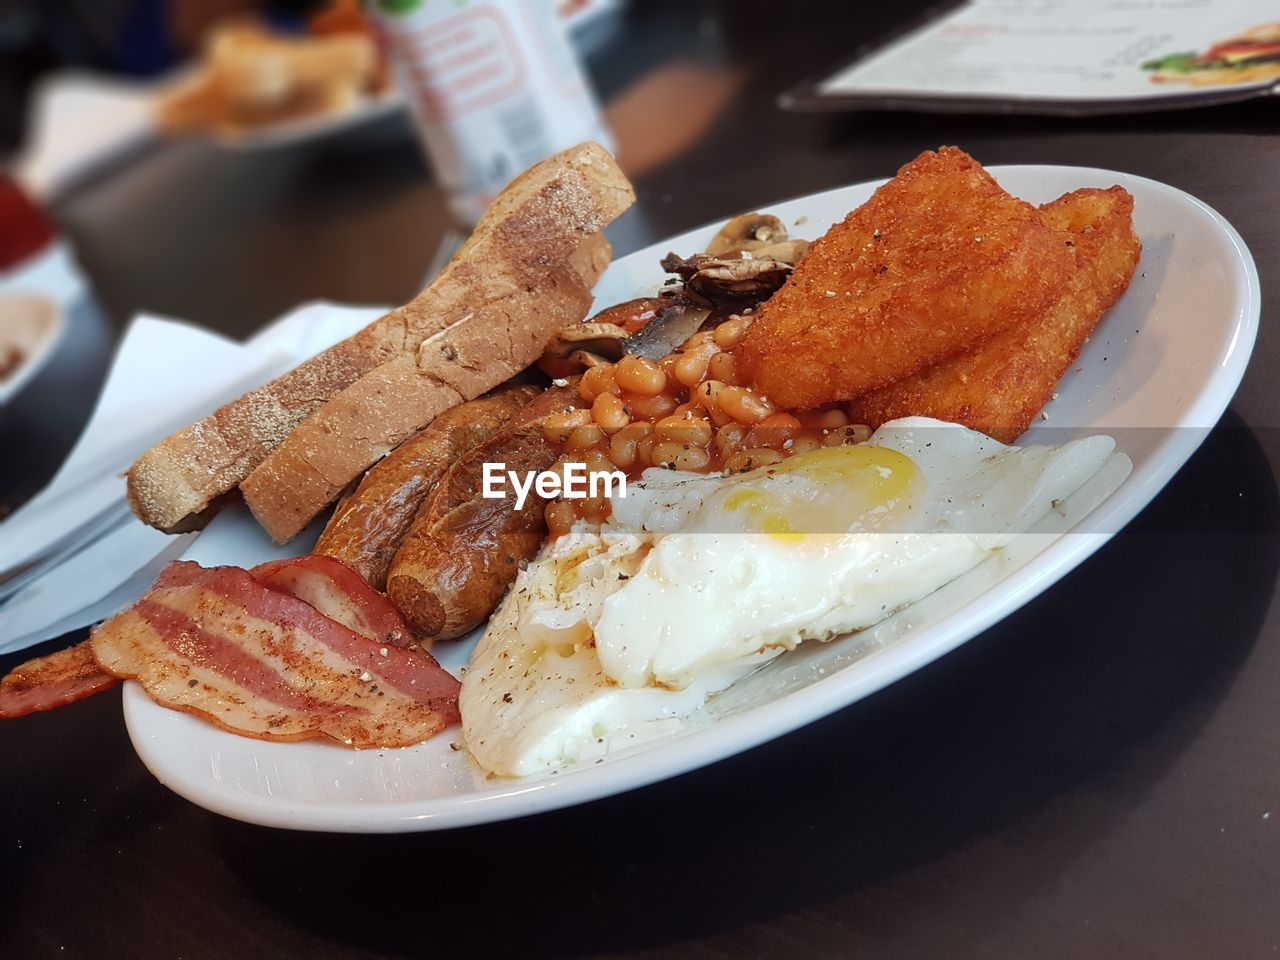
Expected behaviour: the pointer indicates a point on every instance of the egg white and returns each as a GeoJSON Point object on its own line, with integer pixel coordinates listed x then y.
{"type": "Point", "coordinates": [610, 636]}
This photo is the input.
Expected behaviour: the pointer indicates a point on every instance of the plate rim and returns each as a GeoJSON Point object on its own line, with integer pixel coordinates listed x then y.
{"type": "Point", "coordinates": [781, 715]}
{"type": "Point", "coordinates": [302, 130]}
{"type": "Point", "coordinates": [27, 279]}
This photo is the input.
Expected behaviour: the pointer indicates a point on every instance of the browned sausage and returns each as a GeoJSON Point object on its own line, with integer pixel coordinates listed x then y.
{"type": "Point", "coordinates": [366, 528]}
{"type": "Point", "coordinates": [463, 550]}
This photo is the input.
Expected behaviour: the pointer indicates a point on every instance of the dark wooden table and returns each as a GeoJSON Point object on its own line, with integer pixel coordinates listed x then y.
{"type": "Point", "coordinates": [1098, 776]}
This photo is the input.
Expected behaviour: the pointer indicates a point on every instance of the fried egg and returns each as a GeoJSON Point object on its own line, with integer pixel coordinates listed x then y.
{"type": "Point", "coordinates": [613, 634]}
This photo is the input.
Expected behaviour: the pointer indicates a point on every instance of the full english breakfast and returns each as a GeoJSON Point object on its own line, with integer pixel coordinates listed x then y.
{"type": "Point", "coordinates": [813, 436]}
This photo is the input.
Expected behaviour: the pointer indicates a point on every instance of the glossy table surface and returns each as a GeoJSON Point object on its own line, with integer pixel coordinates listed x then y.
{"type": "Point", "coordinates": [1099, 775]}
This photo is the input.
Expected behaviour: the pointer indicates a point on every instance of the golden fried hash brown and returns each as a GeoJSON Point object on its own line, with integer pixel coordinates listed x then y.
{"type": "Point", "coordinates": [999, 387]}
{"type": "Point", "coordinates": [938, 260]}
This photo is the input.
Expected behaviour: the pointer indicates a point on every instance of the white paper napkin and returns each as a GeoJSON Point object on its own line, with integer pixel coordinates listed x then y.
{"type": "Point", "coordinates": [165, 375]}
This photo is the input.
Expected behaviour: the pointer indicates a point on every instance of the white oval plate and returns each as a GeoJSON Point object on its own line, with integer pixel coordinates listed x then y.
{"type": "Point", "coordinates": [1157, 374]}
{"type": "Point", "coordinates": [287, 133]}
{"type": "Point", "coordinates": [35, 298]}
{"type": "Point", "coordinates": [34, 324]}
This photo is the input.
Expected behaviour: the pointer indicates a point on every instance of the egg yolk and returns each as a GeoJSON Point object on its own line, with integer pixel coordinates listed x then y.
{"type": "Point", "coordinates": [848, 489]}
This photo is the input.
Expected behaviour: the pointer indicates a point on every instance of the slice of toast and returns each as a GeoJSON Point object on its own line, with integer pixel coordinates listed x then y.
{"type": "Point", "coordinates": [540, 220]}
{"type": "Point", "coordinates": [366, 421]}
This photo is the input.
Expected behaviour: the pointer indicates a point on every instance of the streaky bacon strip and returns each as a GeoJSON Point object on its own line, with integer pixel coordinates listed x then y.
{"type": "Point", "coordinates": [306, 594]}
{"type": "Point", "coordinates": [398, 671]}
{"type": "Point", "coordinates": [338, 592]}
{"type": "Point", "coordinates": [52, 681]}
{"type": "Point", "coordinates": [208, 650]}
{"type": "Point", "coordinates": [217, 643]}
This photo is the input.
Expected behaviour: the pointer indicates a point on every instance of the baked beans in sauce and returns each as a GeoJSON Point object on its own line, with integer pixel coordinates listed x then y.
{"type": "Point", "coordinates": [687, 411]}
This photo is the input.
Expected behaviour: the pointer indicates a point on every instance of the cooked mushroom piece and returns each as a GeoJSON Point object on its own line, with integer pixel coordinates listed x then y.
{"type": "Point", "coordinates": [747, 231]}
{"type": "Point", "coordinates": [672, 325]}
{"type": "Point", "coordinates": [571, 346]}
{"type": "Point", "coordinates": [584, 359]}
{"type": "Point", "coordinates": [647, 327]}
{"type": "Point", "coordinates": [721, 278]}
{"type": "Point", "coordinates": [784, 251]}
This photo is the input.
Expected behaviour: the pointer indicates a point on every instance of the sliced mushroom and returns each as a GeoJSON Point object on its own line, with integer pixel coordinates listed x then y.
{"type": "Point", "coordinates": [737, 278]}
{"type": "Point", "coordinates": [602, 340]}
{"type": "Point", "coordinates": [785, 251]}
{"type": "Point", "coordinates": [648, 327]}
{"type": "Point", "coordinates": [584, 359]}
{"type": "Point", "coordinates": [747, 231]}
{"type": "Point", "coordinates": [670, 327]}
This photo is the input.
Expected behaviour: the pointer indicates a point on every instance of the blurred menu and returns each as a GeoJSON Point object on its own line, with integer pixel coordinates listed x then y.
{"type": "Point", "coordinates": [1065, 56]}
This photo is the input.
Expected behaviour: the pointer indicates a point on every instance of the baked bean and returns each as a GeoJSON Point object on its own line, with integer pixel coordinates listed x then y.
{"type": "Point", "coordinates": [700, 339]}
{"type": "Point", "coordinates": [592, 383]}
{"type": "Point", "coordinates": [773, 431]}
{"type": "Point", "coordinates": [558, 426]}
{"type": "Point", "coordinates": [557, 468]}
{"type": "Point", "coordinates": [644, 451]}
{"type": "Point", "coordinates": [687, 411]}
{"type": "Point", "coordinates": [683, 429]}
{"type": "Point", "coordinates": [597, 462]}
{"type": "Point", "coordinates": [751, 459]}
{"type": "Point", "coordinates": [610, 413]}
{"type": "Point", "coordinates": [804, 441]}
{"type": "Point", "coordinates": [743, 405]}
{"type": "Point", "coordinates": [622, 445]}
{"type": "Point", "coordinates": [730, 332]}
{"type": "Point", "coordinates": [560, 516]}
{"type": "Point", "coordinates": [707, 396]}
{"type": "Point", "coordinates": [859, 432]}
{"type": "Point", "coordinates": [650, 408]}
{"type": "Point", "coordinates": [666, 453]}
{"type": "Point", "coordinates": [692, 365]}
{"type": "Point", "coordinates": [824, 419]}
{"type": "Point", "coordinates": [593, 509]}
{"type": "Point", "coordinates": [723, 367]}
{"type": "Point", "coordinates": [693, 458]}
{"type": "Point", "coordinates": [840, 436]}
{"type": "Point", "coordinates": [583, 437]}
{"type": "Point", "coordinates": [729, 439]}
{"type": "Point", "coordinates": [637, 375]}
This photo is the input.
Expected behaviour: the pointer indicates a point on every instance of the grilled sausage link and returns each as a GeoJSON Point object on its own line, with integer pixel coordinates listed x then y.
{"type": "Point", "coordinates": [367, 527]}
{"type": "Point", "coordinates": [463, 550]}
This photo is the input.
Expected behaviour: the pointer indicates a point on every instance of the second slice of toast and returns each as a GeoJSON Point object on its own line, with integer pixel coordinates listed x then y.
{"type": "Point", "coordinates": [366, 421]}
{"type": "Point", "coordinates": [539, 221]}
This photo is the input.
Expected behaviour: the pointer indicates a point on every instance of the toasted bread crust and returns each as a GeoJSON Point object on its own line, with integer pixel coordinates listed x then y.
{"type": "Point", "coordinates": [541, 220]}
{"type": "Point", "coordinates": [367, 420]}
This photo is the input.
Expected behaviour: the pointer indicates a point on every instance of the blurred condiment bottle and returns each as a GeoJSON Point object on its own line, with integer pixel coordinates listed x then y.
{"type": "Point", "coordinates": [494, 86]}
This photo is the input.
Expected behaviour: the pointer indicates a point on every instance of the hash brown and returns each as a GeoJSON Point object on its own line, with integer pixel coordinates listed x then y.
{"type": "Point", "coordinates": [938, 260]}
{"type": "Point", "coordinates": [999, 387]}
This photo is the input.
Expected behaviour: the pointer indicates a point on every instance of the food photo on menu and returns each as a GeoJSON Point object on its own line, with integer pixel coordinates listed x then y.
{"type": "Point", "coordinates": [580, 435]}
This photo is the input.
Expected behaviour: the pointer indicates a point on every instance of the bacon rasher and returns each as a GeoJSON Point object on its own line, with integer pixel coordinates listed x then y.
{"type": "Point", "coordinates": [229, 645]}
{"type": "Point", "coordinates": [217, 643]}
{"type": "Point", "coordinates": [52, 681]}
{"type": "Point", "coordinates": [339, 593]}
